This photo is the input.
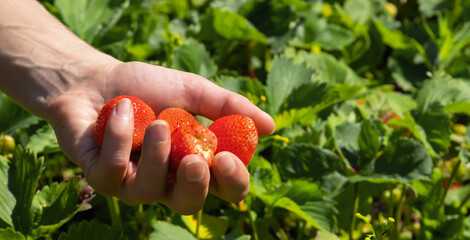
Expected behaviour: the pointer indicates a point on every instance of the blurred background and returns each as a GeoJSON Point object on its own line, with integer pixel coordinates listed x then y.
{"type": "Point", "coordinates": [371, 100]}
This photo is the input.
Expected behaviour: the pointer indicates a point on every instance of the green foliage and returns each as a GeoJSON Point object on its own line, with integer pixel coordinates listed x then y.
{"type": "Point", "coordinates": [371, 103]}
{"type": "Point", "coordinates": [165, 230]}
{"type": "Point", "coordinates": [93, 230]}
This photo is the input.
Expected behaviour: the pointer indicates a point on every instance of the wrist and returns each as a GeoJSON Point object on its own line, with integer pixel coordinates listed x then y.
{"type": "Point", "coordinates": [37, 63]}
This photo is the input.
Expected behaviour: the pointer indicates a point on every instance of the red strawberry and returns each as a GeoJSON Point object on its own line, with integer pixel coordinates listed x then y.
{"type": "Point", "coordinates": [177, 117]}
{"type": "Point", "coordinates": [196, 140]}
{"type": "Point", "coordinates": [236, 134]}
{"type": "Point", "coordinates": [143, 116]}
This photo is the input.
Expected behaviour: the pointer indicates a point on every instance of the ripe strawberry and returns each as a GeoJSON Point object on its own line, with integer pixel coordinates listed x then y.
{"type": "Point", "coordinates": [236, 134]}
{"type": "Point", "coordinates": [177, 117]}
{"type": "Point", "coordinates": [196, 140]}
{"type": "Point", "coordinates": [143, 116]}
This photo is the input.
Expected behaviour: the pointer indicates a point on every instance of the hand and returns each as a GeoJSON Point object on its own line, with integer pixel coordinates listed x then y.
{"type": "Point", "coordinates": [142, 178]}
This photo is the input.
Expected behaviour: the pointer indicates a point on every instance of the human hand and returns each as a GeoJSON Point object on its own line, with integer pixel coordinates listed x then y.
{"type": "Point", "coordinates": [142, 177]}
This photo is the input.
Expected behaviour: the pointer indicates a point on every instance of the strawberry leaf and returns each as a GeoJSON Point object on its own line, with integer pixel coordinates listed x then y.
{"type": "Point", "coordinates": [44, 140]}
{"type": "Point", "coordinates": [89, 19]}
{"type": "Point", "coordinates": [284, 77]}
{"type": "Point", "coordinates": [93, 231]}
{"type": "Point", "coordinates": [405, 159]}
{"type": "Point", "coordinates": [7, 200]}
{"type": "Point", "coordinates": [13, 117]}
{"type": "Point", "coordinates": [300, 160]}
{"type": "Point", "coordinates": [193, 57]}
{"type": "Point", "coordinates": [220, 24]}
{"type": "Point", "coordinates": [210, 227]}
{"type": "Point", "coordinates": [11, 234]}
{"type": "Point", "coordinates": [368, 141]}
{"type": "Point", "coordinates": [23, 176]}
{"type": "Point", "coordinates": [164, 230]}
{"type": "Point", "coordinates": [436, 123]}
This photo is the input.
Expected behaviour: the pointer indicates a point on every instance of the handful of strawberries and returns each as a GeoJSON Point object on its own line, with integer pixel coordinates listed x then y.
{"type": "Point", "coordinates": [235, 133]}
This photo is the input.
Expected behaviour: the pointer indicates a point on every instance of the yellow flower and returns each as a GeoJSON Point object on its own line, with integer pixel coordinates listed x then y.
{"type": "Point", "coordinates": [326, 10]}
{"type": "Point", "coordinates": [316, 49]}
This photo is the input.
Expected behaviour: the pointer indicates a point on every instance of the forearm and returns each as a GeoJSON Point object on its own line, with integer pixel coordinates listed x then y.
{"type": "Point", "coordinates": [39, 57]}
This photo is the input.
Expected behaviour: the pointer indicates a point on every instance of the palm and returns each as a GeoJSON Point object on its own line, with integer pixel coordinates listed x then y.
{"type": "Point", "coordinates": [77, 109]}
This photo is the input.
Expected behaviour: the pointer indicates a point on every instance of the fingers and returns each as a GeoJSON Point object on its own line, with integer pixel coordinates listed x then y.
{"type": "Point", "coordinates": [231, 180]}
{"type": "Point", "coordinates": [189, 192]}
{"type": "Point", "coordinates": [148, 183]}
{"type": "Point", "coordinates": [189, 91]}
{"type": "Point", "coordinates": [107, 173]}
{"type": "Point", "coordinates": [207, 99]}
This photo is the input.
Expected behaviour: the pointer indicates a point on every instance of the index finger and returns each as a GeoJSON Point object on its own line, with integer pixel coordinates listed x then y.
{"type": "Point", "coordinates": [207, 99]}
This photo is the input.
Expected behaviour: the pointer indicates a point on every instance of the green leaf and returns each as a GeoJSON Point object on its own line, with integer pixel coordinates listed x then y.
{"type": "Point", "coordinates": [399, 103]}
{"type": "Point", "coordinates": [7, 200]}
{"type": "Point", "coordinates": [230, 5]}
{"type": "Point", "coordinates": [405, 159]}
{"type": "Point", "coordinates": [272, 17]}
{"type": "Point", "coordinates": [430, 193]}
{"type": "Point", "coordinates": [265, 181]}
{"type": "Point", "coordinates": [432, 7]}
{"type": "Point", "coordinates": [359, 10]}
{"type": "Point", "coordinates": [299, 160]}
{"type": "Point", "coordinates": [11, 114]}
{"type": "Point", "coordinates": [221, 24]}
{"type": "Point", "coordinates": [319, 95]}
{"type": "Point", "coordinates": [326, 236]}
{"type": "Point", "coordinates": [44, 140]}
{"type": "Point", "coordinates": [319, 31]}
{"type": "Point", "coordinates": [93, 230]}
{"type": "Point", "coordinates": [416, 130]}
{"type": "Point", "coordinates": [284, 77]}
{"type": "Point", "coordinates": [210, 227]}
{"type": "Point", "coordinates": [87, 18]}
{"type": "Point", "coordinates": [164, 230]}
{"type": "Point", "coordinates": [308, 196]}
{"type": "Point", "coordinates": [57, 202]}
{"type": "Point", "coordinates": [307, 94]}
{"type": "Point", "coordinates": [368, 142]}
{"type": "Point", "coordinates": [317, 213]}
{"type": "Point", "coordinates": [443, 90]}
{"type": "Point", "coordinates": [11, 234]}
{"type": "Point", "coordinates": [23, 176]}
{"type": "Point", "coordinates": [436, 123]}
{"type": "Point", "coordinates": [304, 116]}
{"type": "Point", "coordinates": [458, 107]}
{"type": "Point", "coordinates": [393, 38]}
{"type": "Point", "coordinates": [346, 139]}
{"type": "Point", "coordinates": [193, 57]}
{"type": "Point", "coordinates": [327, 68]}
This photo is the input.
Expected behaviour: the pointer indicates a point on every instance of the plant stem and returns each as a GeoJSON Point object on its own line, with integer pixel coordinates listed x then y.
{"type": "Point", "coordinates": [355, 209]}
{"type": "Point", "coordinates": [253, 226]}
{"type": "Point", "coordinates": [398, 214]}
{"type": "Point", "coordinates": [199, 220]}
{"type": "Point", "coordinates": [300, 230]}
{"type": "Point", "coordinates": [390, 201]}
{"type": "Point", "coordinates": [449, 183]}
{"type": "Point", "coordinates": [114, 211]}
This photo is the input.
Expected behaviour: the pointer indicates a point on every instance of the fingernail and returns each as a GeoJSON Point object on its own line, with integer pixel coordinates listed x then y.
{"type": "Point", "coordinates": [124, 108]}
{"type": "Point", "coordinates": [225, 163]}
{"type": "Point", "coordinates": [159, 132]}
{"type": "Point", "coordinates": [267, 116]}
{"type": "Point", "coordinates": [195, 170]}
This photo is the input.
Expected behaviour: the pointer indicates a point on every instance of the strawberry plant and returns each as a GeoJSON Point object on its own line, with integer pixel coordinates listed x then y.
{"type": "Point", "coordinates": [370, 98]}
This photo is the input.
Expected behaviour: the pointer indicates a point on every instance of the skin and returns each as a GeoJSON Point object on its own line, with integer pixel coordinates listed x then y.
{"type": "Point", "coordinates": [60, 78]}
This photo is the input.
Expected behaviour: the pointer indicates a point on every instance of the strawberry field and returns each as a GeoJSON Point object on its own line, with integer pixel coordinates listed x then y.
{"type": "Point", "coordinates": [371, 100]}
